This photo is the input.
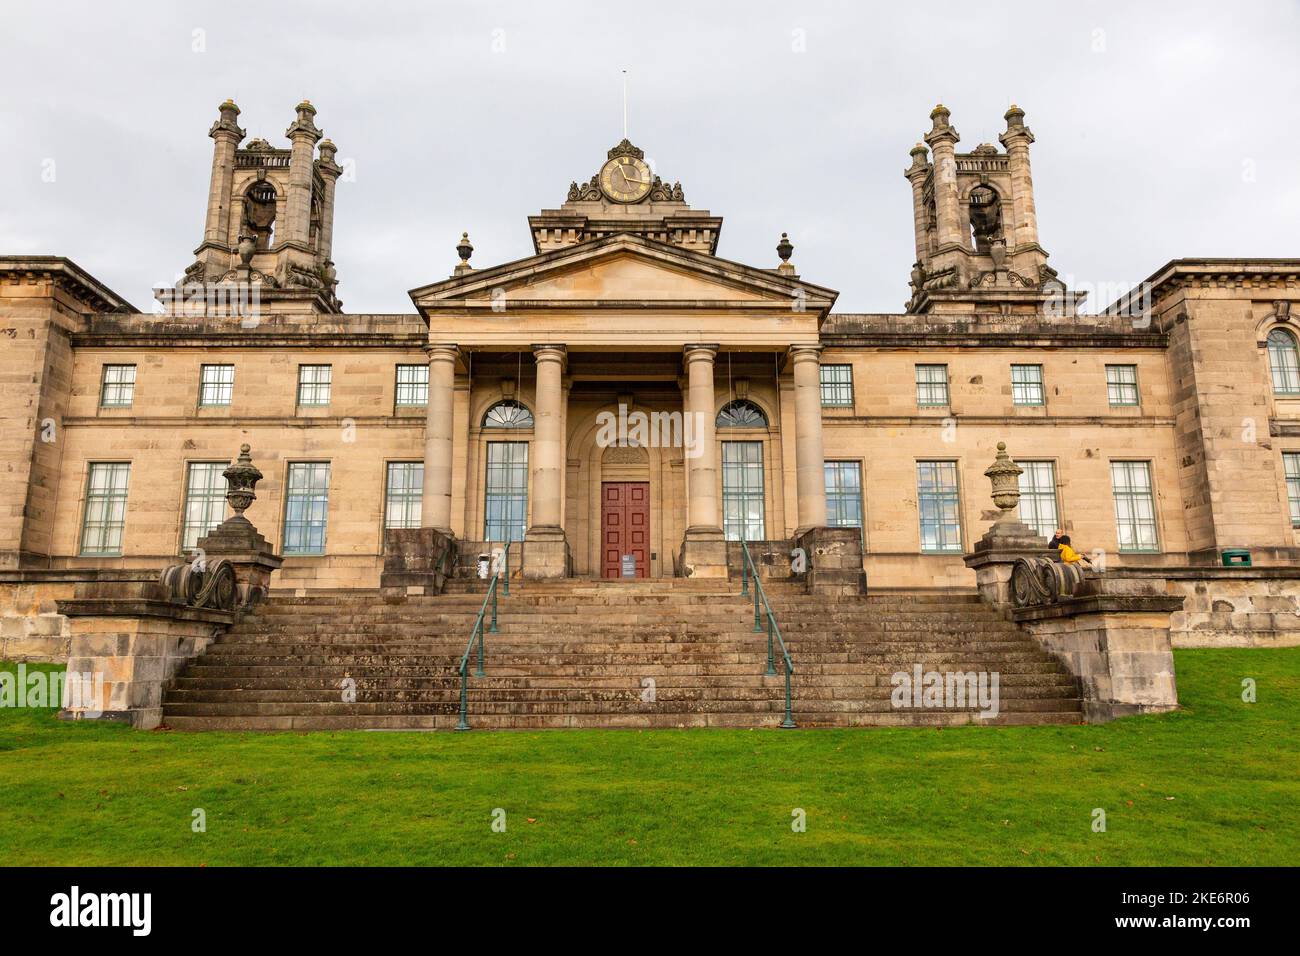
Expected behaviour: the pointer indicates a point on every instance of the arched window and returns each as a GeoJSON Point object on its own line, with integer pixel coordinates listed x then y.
{"type": "Point", "coordinates": [508, 414]}
{"type": "Point", "coordinates": [1284, 362]}
{"type": "Point", "coordinates": [741, 414]}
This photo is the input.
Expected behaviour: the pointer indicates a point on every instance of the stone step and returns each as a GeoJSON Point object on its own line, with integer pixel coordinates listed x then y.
{"type": "Point", "coordinates": [447, 722]}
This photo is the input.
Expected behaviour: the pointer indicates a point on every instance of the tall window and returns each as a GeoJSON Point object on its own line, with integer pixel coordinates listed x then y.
{"type": "Point", "coordinates": [1284, 362]}
{"type": "Point", "coordinates": [931, 385]}
{"type": "Point", "coordinates": [508, 414]}
{"type": "Point", "coordinates": [118, 388]}
{"type": "Point", "coordinates": [205, 501]}
{"type": "Point", "coordinates": [937, 502]}
{"type": "Point", "coordinates": [216, 383]}
{"type": "Point", "coordinates": [506, 502]}
{"type": "Point", "coordinates": [837, 386]}
{"type": "Point", "coordinates": [1027, 385]}
{"type": "Point", "coordinates": [306, 507]}
{"type": "Point", "coordinates": [405, 490]}
{"type": "Point", "coordinates": [106, 486]}
{"type": "Point", "coordinates": [1135, 509]}
{"type": "Point", "coordinates": [1122, 384]}
{"type": "Point", "coordinates": [1291, 461]}
{"type": "Point", "coordinates": [412, 385]}
{"type": "Point", "coordinates": [843, 494]}
{"type": "Point", "coordinates": [742, 490]}
{"type": "Point", "coordinates": [1038, 496]}
{"type": "Point", "coordinates": [314, 384]}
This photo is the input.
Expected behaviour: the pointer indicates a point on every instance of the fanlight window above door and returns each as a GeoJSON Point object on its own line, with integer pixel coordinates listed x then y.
{"type": "Point", "coordinates": [741, 414]}
{"type": "Point", "coordinates": [508, 414]}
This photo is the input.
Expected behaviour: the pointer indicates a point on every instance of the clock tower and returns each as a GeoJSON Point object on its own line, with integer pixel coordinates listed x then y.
{"type": "Point", "coordinates": [625, 196]}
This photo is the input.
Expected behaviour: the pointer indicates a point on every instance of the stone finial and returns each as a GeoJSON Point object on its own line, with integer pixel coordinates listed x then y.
{"type": "Point", "coordinates": [920, 157]}
{"type": "Point", "coordinates": [304, 124]}
{"type": "Point", "coordinates": [227, 122]}
{"type": "Point", "coordinates": [1004, 474]}
{"type": "Point", "coordinates": [1017, 132]}
{"type": "Point", "coordinates": [941, 130]}
{"type": "Point", "coordinates": [327, 150]}
{"type": "Point", "coordinates": [785, 248]}
{"type": "Point", "coordinates": [464, 249]}
{"type": "Point", "coordinates": [241, 478]}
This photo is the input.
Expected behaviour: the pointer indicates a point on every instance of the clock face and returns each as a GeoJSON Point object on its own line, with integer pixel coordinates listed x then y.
{"type": "Point", "coordinates": [625, 179]}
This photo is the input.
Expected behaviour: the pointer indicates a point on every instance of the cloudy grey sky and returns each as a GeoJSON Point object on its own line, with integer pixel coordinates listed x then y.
{"type": "Point", "coordinates": [1163, 131]}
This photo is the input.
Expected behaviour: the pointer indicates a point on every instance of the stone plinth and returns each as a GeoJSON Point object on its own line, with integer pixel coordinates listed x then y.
{"type": "Point", "coordinates": [236, 540]}
{"type": "Point", "coordinates": [834, 560]}
{"type": "Point", "coordinates": [131, 644]}
{"type": "Point", "coordinates": [417, 561]}
{"type": "Point", "coordinates": [704, 553]}
{"type": "Point", "coordinates": [546, 554]}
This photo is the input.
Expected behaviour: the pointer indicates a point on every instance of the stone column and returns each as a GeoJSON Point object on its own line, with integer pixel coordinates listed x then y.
{"type": "Point", "coordinates": [704, 553]}
{"type": "Point", "coordinates": [435, 510]}
{"type": "Point", "coordinates": [1016, 140]}
{"type": "Point", "coordinates": [702, 462]}
{"type": "Point", "coordinates": [226, 136]}
{"type": "Point", "coordinates": [916, 174]}
{"type": "Point", "coordinates": [810, 466]}
{"type": "Point", "coordinates": [303, 135]}
{"type": "Point", "coordinates": [943, 139]}
{"type": "Point", "coordinates": [545, 550]}
{"type": "Point", "coordinates": [330, 172]}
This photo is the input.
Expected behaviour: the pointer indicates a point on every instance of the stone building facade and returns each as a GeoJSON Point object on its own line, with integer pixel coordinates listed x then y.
{"type": "Point", "coordinates": [1162, 434]}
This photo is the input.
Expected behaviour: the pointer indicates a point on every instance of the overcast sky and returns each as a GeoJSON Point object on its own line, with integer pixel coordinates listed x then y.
{"type": "Point", "coordinates": [1162, 132]}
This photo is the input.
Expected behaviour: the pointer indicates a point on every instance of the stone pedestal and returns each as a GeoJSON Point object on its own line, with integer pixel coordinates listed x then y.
{"type": "Point", "coordinates": [240, 544]}
{"type": "Point", "coordinates": [546, 554]}
{"type": "Point", "coordinates": [834, 561]}
{"type": "Point", "coordinates": [704, 553]}
{"type": "Point", "coordinates": [417, 561]}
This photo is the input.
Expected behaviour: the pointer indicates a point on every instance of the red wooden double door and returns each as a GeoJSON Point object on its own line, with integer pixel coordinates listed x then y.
{"type": "Point", "coordinates": [624, 527]}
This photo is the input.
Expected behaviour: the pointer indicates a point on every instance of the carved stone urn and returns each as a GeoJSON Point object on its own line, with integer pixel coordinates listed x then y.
{"type": "Point", "coordinates": [247, 246]}
{"type": "Point", "coordinates": [1004, 474]}
{"type": "Point", "coordinates": [998, 252]}
{"type": "Point", "coordinates": [241, 478]}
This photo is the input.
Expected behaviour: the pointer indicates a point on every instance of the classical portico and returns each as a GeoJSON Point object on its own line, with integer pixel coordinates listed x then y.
{"type": "Point", "coordinates": [624, 316]}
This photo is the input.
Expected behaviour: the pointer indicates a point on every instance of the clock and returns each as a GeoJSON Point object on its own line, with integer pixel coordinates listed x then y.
{"type": "Point", "coordinates": [625, 179]}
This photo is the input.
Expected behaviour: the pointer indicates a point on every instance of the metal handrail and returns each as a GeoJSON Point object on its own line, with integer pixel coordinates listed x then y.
{"type": "Point", "coordinates": [747, 569]}
{"type": "Point", "coordinates": [476, 632]}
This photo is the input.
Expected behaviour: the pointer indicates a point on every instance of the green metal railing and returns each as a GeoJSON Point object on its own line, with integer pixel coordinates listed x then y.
{"type": "Point", "coordinates": [502, 574]}
{"type": "Point", "coordinates": [747, 570]}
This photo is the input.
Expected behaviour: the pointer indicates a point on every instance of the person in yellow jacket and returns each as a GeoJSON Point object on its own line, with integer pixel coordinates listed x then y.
{"type": "Point", "coordinates": [1061, 541]}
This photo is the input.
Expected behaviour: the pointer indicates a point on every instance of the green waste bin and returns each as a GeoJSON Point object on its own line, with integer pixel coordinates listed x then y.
{"type": "Point", "coordinates": [1236, 557]}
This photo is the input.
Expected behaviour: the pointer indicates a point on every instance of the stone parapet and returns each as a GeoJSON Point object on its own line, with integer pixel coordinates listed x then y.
{"type": "Point", "coordinates": [417, 561]}
{"type": "Point", "coordinates": [834, 558]}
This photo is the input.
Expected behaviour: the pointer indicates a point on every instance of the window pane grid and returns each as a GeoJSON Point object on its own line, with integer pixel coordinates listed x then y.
{"type": "Point", "coordinates": [306, 508]}
{"type": "Point", "coordinates": [1027, 385]}
{"type": "Point", "coordinates": [1291, 462]}
{"type": "Point", "coordinates": [1135, 513]}
{"type": "Point", "coordinates": [314, 384]}
{"type": "Point", "coordinates": [1284, 362]}
{"type": "Point", "coordinates": [216, 384]}
{"type": "Point", "coordinates": [843, 494]}
{"type": "Point", "coordinates": [412, 385]}
{"type": "Point", "coordinates": [937, 502]}
{"type": "Point", "coordinates": [405, 491]}
{"type": "Point", "coordinates": [205, 501]}
{"type": "Point", "coordinates": [1038, 496]}
{"type": "Point", "coordinates": [1121, 384]}
{"type": "Point", "coordinates": [101, 532]}
{"type": "Point", "coordinates": [837, 385]}
{"type": "Point", "coordinates": [742, 491]}
{"type": "Point", "coordinates": [118, 389]}
{"type": "Point", "coordinates": [931, 385]}
{"type": "Point", "coordinates": [506, 498]}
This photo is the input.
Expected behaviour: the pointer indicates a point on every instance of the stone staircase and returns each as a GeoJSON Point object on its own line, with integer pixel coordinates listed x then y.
{"type": "Point", "coordinates": [581, 653]}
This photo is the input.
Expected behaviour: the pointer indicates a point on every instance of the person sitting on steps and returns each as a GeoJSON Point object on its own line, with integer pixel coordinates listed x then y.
{"type": "Point", "coordinates": [1066, 554]}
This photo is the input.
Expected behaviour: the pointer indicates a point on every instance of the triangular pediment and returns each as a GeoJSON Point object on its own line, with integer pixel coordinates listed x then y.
{"type": "Point", "coordinates": [621, 271]}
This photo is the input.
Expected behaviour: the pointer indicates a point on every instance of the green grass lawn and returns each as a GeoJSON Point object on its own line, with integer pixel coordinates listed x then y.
{"type": "Point", "coordinates": [1216, 783]}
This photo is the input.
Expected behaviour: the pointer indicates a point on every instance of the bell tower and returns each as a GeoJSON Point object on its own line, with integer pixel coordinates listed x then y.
{"type": "Point", "coordinates": [270, 216]}
{"type": "Point", "coordinates": [976, 227]}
